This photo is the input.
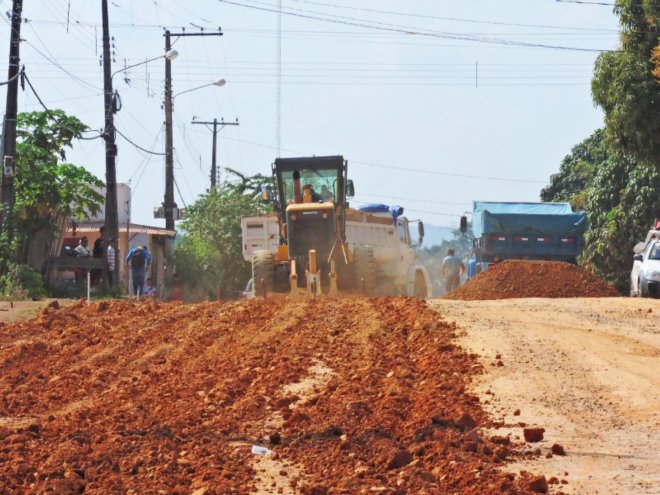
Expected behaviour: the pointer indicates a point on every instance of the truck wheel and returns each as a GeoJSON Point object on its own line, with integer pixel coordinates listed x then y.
{"type": "Point", "coordinates": [420, 289]}
{"type": "Point", "coordinates": [365, 269]}
{"type": "Point", "coordinates": [263, 269]}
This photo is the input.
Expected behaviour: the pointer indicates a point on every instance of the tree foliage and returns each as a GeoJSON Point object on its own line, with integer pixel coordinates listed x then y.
{"type": "Point", "coordinates": [45, 185]}
{"type": "Point", "coordinates": [621, 197]}
{"type": "Point", "coordinates": [576, 171]}
{"type": "Point", "coordinates": [624, 83]}
{"type": "Point", "coordinates": [210, 255]}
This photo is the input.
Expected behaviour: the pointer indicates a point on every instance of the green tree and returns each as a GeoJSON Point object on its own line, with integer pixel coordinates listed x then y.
{"type": "Point", "coordinates": [210, 255]}
{"type": "Point", "coordinates": [624, 84]}
{"type": "Point", "coordinates": [46, 187]}
{"type": "Point", "coordinates": [621, 197]}
{"type": "Point", "coordinates": [576, 172]}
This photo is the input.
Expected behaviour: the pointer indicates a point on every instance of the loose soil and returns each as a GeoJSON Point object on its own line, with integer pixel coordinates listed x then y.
{"type": "Point", "coordinates": [516, 279]}
{"type": "Point", "coordinates": [585, 370]}
{"type": "Point", "coordinates": [351, 396]}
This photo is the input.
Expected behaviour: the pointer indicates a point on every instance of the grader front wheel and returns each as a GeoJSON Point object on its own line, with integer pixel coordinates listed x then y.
{"type": "Point", "coordinates": [365, 270]}
{"type": "Point", "coordinates": [263, 273]}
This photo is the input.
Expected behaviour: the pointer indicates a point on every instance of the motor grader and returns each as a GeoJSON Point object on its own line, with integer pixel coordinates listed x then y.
{"type": "Point", "coordinates": [316, 242]}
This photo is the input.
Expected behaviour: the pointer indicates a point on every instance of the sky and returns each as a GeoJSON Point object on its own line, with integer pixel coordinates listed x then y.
{"type": "Point", "coordinates": [434, 103]}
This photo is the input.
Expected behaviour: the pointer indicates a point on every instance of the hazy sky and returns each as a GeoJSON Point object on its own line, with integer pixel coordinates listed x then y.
{"type": "Point", "coordinates": [434, 103]}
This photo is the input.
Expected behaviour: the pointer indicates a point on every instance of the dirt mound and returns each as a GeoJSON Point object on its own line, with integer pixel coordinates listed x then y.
{"type": "Point", "coordinates": [515, 279]}
{"type": "Point", "coordinates": [351, 395]}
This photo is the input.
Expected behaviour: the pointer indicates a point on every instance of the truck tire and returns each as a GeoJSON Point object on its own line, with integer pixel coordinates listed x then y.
{"type": "Point", "coordinates": [420, 289]}
{"type": "Point", "coordinates": [365, 269]}
{"type": "Point", "coordinates": [263, 269]}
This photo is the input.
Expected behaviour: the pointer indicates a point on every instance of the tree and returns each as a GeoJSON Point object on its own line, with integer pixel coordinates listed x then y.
{"type": "Point", "coordinates": [621, 198]}
{"type": "Point", "coordinates": [210, 256]}
{"type": "Point", "coordinates": [576, 172]}
{"type": "Point", "coordinates": [624, 83]}
{"type": "Point", "coordinates": [47, 188]}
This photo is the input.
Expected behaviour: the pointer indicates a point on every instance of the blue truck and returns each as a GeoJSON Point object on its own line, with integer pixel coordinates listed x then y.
{"type": "Point", "coordinates": [524, 231]}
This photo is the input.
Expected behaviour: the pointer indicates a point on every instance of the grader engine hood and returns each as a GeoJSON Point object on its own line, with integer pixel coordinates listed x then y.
{"type": "Point", "coordinates": [310, 226]}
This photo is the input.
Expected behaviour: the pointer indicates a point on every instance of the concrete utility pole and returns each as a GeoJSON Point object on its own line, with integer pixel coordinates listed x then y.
{"type": "Point", "coordinates": [168, 204]}
{"type": "Point", "coordinates": [9, 128]}
{"type": "Point", "coordinates": [111, 214]}
{"type": "Point", "coordinates": [215, 124]}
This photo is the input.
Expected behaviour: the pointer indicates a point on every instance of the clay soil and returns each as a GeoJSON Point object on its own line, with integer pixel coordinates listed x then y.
{"type": "Point", "coordinates": [518, 279]}
{"type": "Point", "coordinates": [350, 396]}
{"type": "Point", "coordinates": [585, 370]}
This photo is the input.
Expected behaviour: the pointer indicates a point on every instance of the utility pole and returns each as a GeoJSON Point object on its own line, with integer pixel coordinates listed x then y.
{"type": "Point", "coordinates": [111, 214]}
{"type": "Point", "coordinates": [9, 128]}
{"type": "Point", "coordinates": [168, 204]}
{"type": "Point", "coordinates": [215, 124]}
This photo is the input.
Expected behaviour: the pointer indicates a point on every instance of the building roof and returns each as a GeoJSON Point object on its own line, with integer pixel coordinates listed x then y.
{"type": "Point", "coordinates": [133, 228]}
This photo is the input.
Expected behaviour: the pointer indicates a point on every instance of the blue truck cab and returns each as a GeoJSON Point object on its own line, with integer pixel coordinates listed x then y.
{"type": "Point", "coordinates": [529, 231]}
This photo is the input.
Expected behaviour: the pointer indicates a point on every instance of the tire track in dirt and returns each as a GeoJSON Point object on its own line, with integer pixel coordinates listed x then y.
{"type": "Point", "coordinates": [585, 370]}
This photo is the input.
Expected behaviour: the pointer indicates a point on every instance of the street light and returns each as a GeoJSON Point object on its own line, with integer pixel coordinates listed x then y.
{"type": "Point", "coordinates": [169, 55]}
{"type": "Point", "coordinates": [219, 83]}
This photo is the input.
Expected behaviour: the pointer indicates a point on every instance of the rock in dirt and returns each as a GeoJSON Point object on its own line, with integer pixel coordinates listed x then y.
{"type": "Point", "coordinates": [400, 459]}
{"type": "Point", "coordinates": [533, 435]}
{"type": "Point", "coordinates": [558, 449]}
{"type": "Point", "coordinates": [539, 485]}
{"type": "Point", "coordinates": [466, 421]}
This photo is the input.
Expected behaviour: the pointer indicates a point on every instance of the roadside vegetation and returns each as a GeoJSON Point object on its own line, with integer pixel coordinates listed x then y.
{"type": "Point", "coordinates": [209, 257]}
{"type": "Point", "coordinates": [614, 174]}
{"type": "Point", "coordinates": [48, 191]}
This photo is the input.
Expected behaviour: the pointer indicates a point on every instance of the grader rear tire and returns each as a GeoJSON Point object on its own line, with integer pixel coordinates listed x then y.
{"type": "Point", "coordinates": [365, 269]}
{"type": "Point", "coordinates": [263, 269]}
{"type": "Point", "coordinates": [419, 288]}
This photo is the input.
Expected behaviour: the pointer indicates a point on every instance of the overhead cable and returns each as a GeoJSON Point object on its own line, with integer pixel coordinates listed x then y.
{"type": "Point", "coordinates": [350, 21]}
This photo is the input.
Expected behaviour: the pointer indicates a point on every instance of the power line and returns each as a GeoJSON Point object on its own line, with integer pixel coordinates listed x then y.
{"type": "Point", "coordinates": [351, 21]}
{"type": "Point", "coordinates": [453, 19]}
{"type": "Point", "coordinates": [137, 145]}
{"type": "Point", "coordinates": [403, 169]}
{"type": "Point", "coordinates": [586, 2]}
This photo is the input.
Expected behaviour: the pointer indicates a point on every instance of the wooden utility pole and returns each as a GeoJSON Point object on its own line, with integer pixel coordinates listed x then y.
{"type": "Point", "coordinates": [168, 204]}
{"type": "Point", "coordinates": [9, 129]}
{"type": "Point", "coordinates": [111, 214]}
{"type": "Point", "coordinates": [215, 124]}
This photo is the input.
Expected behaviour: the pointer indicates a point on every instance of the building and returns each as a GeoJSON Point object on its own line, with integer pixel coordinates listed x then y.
{"type": "Point", "coordinates": [130, 235]}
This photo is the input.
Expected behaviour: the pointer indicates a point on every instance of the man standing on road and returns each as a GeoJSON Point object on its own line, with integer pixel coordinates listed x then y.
{"type": "Point", "coordinates": [140, 259]}
{"type": "Point", "coordinates": [452, 269]}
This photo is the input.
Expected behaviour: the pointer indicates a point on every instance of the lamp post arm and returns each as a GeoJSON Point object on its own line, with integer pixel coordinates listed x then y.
{"type": "Point", "coordinates": [171, 55]}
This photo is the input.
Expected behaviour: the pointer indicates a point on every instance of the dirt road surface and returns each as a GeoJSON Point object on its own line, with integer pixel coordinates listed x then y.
{"type": "Point", "coordinates": [347, 396]}
{"type": "Point", "coordinates": [586, 370]}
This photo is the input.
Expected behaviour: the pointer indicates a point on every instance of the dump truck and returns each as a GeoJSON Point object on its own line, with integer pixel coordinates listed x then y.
{"type": "Point", "coordinates": [315, 241]}
{"type": "Point", "coordinates": [524, 231]}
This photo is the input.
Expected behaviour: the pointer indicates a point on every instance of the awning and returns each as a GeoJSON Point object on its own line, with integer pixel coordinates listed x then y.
{"type": "Point", "coordinates": [133, 228]}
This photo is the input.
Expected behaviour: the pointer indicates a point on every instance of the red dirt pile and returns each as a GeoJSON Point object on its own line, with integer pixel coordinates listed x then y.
{"type": "Point", "coordinates": [149, 398]}
{"type": "Point", "coordinates": [515, 279]}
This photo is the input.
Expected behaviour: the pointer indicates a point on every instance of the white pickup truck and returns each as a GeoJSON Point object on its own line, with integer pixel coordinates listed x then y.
{"type": "Point", "coordinates": [645, 273]}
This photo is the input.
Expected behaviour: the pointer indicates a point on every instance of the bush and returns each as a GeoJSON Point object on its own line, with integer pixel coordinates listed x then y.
{"type": "Point", "coordinates": [21, 282]}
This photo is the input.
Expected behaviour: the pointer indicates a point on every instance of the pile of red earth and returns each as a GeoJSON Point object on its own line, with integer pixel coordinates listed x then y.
{"type": "Point", "coordinates": [515, 279]}
{"type": "Point", "coordinates": [353, 396]}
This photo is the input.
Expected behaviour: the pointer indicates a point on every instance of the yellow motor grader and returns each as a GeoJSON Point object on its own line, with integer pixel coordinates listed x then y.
{"type": "Point", "coordinates": [314, 241]}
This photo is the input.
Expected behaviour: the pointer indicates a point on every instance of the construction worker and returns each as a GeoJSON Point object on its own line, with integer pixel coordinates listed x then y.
{"type": "Point", "coordinates": [452, 269]}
